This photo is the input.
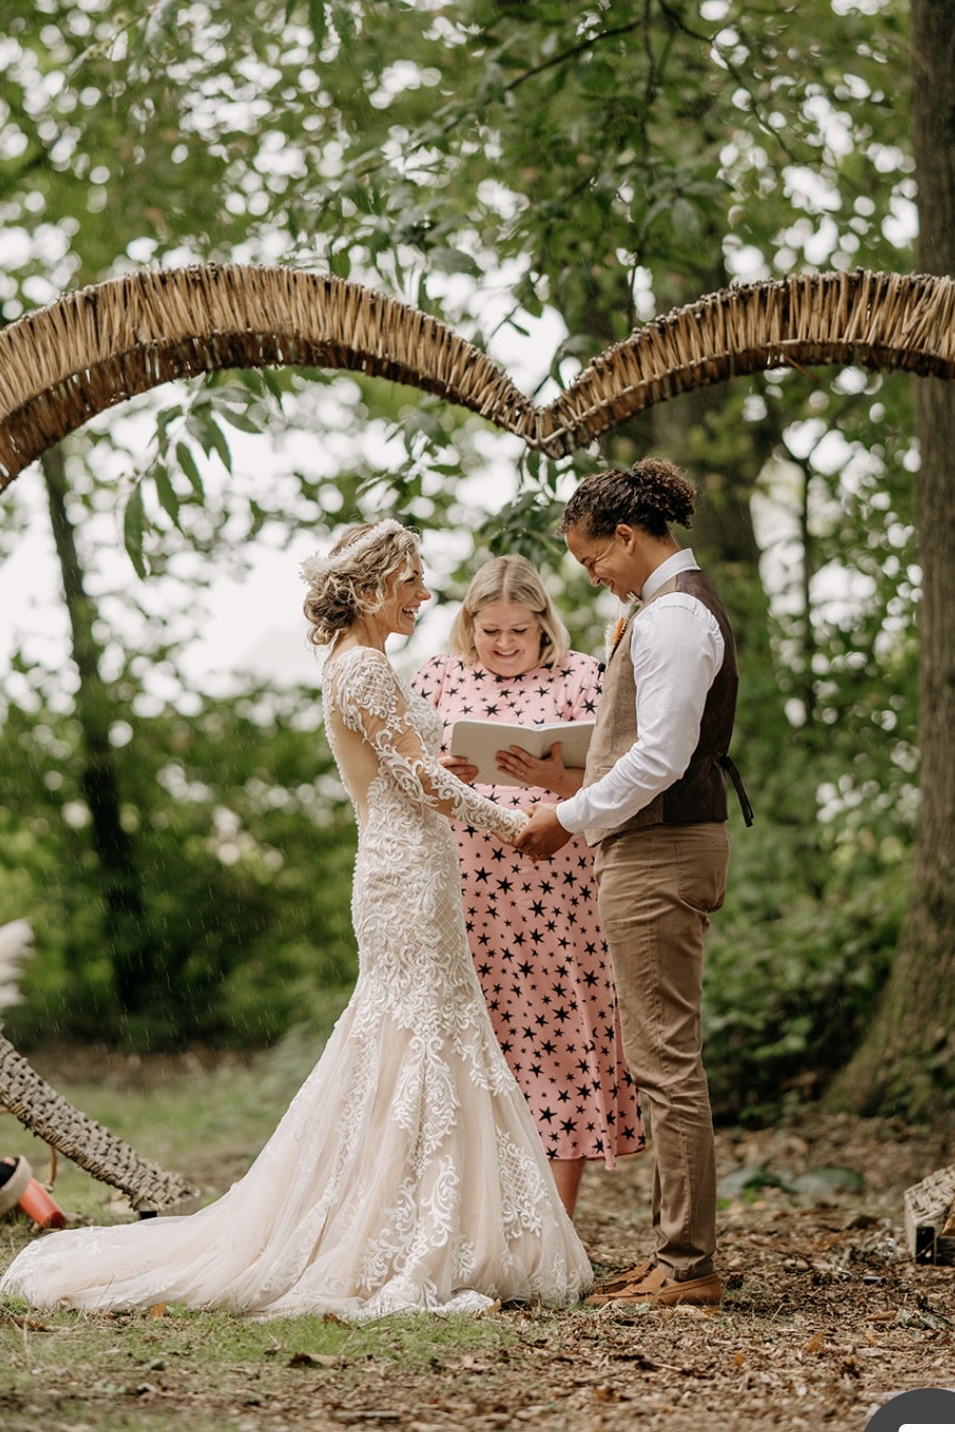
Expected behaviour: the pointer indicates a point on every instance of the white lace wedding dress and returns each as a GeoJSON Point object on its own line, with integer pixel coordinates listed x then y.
{"type": "Point", "coordinates": [407, 1173]}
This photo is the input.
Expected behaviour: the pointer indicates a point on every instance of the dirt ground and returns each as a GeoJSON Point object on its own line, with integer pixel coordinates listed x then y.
{"type": "Point", "coordinates": [825, 1316]}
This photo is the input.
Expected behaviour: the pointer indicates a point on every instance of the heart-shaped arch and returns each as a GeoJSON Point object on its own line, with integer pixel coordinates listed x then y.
{"type": "Point", "coordinates": [89, 350]}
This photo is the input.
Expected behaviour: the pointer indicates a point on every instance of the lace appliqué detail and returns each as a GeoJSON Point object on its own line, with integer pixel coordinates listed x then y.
{"type": "Point", "coordinates": [407, 1173]}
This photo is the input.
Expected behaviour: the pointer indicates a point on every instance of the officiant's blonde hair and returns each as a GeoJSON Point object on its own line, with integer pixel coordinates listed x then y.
{"type": "Point", "coordinates": [510, 579]}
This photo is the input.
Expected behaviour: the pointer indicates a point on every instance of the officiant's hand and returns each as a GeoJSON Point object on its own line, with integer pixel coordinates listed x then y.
{"type": "Point", "coordinates": [549, 773]}
{"type": "Point", "coordinates": [543, 835]}
{"type": "Point", "coordinates": [461, 768]}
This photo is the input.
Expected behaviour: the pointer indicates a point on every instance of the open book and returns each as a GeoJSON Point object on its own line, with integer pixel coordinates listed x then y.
{"type": "Point", "coordinates": [479, 741]}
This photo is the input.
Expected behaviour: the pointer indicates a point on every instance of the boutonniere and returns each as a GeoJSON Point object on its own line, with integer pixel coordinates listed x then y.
{"type": "Point", "coordinates": [614, 634]}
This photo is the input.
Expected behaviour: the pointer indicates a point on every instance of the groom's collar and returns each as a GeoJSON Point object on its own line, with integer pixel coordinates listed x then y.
{"type": "Point", "coordinates": [682, 561]}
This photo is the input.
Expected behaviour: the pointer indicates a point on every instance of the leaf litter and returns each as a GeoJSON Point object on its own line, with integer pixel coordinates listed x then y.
{"type": "Point", "coordinates": [825, 1316]}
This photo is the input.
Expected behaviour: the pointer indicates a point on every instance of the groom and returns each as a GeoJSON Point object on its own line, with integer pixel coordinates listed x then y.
{"type": "Point", "coordinates": [654, 803]}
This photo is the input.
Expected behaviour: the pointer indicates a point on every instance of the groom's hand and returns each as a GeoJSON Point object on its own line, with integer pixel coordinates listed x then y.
{"type": "Point", "coordinates": [543, 835]}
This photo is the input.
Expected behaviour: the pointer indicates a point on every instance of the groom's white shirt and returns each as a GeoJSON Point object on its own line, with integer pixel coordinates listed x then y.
{"type": "Point", "coordinates": [676, 647]}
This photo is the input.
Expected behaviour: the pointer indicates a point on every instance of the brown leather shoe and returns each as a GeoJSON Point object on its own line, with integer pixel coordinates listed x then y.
{"type": "Point", "coordinates": [656, 1288]}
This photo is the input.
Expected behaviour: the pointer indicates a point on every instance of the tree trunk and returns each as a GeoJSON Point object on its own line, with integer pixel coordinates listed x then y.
{"type": "Point", "coordinates": [907, 1062]}
{"type": "Point", "coordinates": [691, 431]}
{"type": "Point", "coordinates": [126, 926]}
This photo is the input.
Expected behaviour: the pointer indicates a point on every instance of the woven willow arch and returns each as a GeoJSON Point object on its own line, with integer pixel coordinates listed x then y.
{"type": "Point", "coordinates": [89, 350]}
{"type": "Point", "coordinates": [47, 1114]}
{"type": "Point", "coordinates": [62, 365]}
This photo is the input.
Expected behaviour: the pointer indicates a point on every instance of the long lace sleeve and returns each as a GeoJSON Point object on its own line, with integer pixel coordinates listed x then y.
{"type": "Point", "coordinates": [371, 702]}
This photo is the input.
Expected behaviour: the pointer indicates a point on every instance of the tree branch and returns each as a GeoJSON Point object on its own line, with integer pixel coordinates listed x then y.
{"type": "Point", "coordinates": [573, 52]}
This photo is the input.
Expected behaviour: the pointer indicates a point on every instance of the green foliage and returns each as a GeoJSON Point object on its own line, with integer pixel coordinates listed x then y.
{"type": "Point", "coordinates": [791, 979]}
{"type": "Point", "coordinates": [596, 163]}
{"type": "Point", "coordinates": [245, 844]}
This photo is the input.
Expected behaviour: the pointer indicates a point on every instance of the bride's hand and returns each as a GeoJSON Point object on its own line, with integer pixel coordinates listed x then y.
{"type": "Point", "coordinates": [514, 840]}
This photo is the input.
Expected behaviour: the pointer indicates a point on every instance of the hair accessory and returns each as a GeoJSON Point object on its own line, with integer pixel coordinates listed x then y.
{"type": "Point", "coordinates": [316, 566]}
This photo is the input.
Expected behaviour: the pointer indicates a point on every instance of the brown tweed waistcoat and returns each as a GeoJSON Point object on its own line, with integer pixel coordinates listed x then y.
{"type": "Point", "coordinates": [700, 793]}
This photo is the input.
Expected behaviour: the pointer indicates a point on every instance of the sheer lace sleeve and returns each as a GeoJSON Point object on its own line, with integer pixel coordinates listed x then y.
{"type": "Point", "coordinates": [368, 695]}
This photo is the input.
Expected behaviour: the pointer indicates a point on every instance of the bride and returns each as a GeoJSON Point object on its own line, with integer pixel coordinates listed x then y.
{"type": "Point", "coordinates": [407, 1173]}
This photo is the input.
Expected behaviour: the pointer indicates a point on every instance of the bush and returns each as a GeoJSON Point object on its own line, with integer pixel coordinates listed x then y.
{"type": "Point", "coordinates": [788, 991]}
{"type": "Point", "coordinates": [244, 843]}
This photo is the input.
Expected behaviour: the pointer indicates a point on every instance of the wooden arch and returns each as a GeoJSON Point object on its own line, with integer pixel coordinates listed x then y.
{"type": "Point", "coordinates": [38, 1106]}
{"type": "Point", "coordinates": [63, 364]}
{"type": "Point", "coordinates": [91, 349]}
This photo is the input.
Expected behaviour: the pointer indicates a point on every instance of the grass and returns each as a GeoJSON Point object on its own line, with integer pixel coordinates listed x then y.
{"type": "Point", "coordinates": [824, 1318]}
{"type": "Point", "coordinates": [174, 1368]}
{"type": "Point", "coordinates": [111, 1370]}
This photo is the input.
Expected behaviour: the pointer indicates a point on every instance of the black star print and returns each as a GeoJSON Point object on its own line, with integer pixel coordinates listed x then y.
{"type": "Point", "coordinates": [533, 931]}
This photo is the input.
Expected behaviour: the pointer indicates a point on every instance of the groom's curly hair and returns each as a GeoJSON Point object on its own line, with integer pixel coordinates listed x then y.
{"type": "Point", "coordinates": [653, 493]}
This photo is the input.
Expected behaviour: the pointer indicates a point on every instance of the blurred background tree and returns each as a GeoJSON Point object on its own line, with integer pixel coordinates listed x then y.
{"type": "Point", "coordinates": [557, 176]}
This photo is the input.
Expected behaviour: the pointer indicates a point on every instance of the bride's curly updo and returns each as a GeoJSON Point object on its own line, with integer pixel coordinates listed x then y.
{"type": "Point", "coordinates": [352, 579]}
{"type": "Point", "coordinates": [650, 495]}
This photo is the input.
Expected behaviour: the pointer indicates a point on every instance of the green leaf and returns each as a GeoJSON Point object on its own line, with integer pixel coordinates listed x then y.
{"type": "Point", "coordinates": [237, 418]}
{"type": "Point", "coordinates": [134, 529]}
{"type": "Point", "coordinates": [168, 497]}
{"type": "Point", "coordinates": [316, 19]}
{"type": "Point", "coordinates": [450, 260]}
{"type": "Point", "coordinates": [275, 382]}
{"type": "Point", "coordinates": [205, 429]}
{"type": "Point", "coordinates": [189, 466]}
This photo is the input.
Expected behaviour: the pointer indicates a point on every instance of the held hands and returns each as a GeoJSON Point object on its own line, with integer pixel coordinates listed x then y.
{"type": "Point", "coordinates": [543, 835]}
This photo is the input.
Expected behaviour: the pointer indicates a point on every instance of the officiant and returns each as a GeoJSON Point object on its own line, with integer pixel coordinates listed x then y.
{"type": "Point", "coordinates": [534, 931]}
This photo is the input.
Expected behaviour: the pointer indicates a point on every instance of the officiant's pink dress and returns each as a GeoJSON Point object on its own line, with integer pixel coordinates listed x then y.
{"type": "Point", "coordinates": [534, 930]}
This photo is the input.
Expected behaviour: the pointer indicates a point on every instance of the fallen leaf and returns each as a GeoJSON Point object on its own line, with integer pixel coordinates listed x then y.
{"type": "Point", "coordinates": [603, 1393]}
{"type": "Point", "coordinates": [313, 1359]}
{"type": "Point", "coordinates": [367, 1414]}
